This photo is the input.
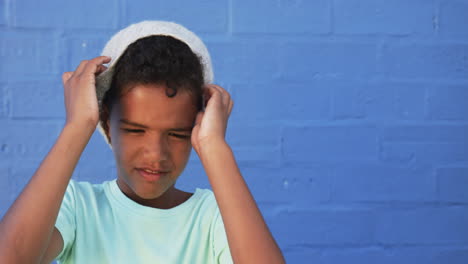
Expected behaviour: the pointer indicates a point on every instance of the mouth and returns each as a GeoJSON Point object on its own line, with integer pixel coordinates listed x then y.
{"type": "Point", "coordinates": [151, 175]}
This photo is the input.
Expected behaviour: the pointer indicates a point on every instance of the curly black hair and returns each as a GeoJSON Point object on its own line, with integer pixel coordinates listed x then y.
{"type": "Point", "coordinates": [155, 60]}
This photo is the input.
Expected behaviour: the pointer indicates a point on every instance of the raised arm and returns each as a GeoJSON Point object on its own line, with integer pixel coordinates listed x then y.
{"type": "Point", "coordinates": [27, 227]}
{"type": "Point", "coordinates": [249, 238]}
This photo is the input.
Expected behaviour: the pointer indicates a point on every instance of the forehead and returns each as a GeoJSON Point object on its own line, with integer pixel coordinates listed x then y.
{"type": "Point", "coordinates": [148, 104]}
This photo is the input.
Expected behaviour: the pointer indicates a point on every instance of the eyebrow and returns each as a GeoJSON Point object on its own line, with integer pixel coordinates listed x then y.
{"type": "Point", "coordinates": [125, 121]}
{"type": "Point", "coordinates": [178, 129]}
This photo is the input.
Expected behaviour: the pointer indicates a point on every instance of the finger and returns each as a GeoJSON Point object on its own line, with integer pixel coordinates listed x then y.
{"type": "Point", "coordinates": [224, 94]}
{"type": "Point", "coordinates": [92, 67]}
{"type": "Point", "coordinates": [220, 89]}
{"type": "Point", "coordinates": [85, 64]}
{"type": "Point", "coordinates": [101, 68]}
{"type": "Point", "coordinates": [208, 89]}
{"type": "Point", "coordinates": [101, 60]}
{"type": "Point", "coordinates": [80, 67]}
{"type": "Point", "coordinates": [212, 96]}
{"type": "Point", "coordinates": [66, 76]}
{"type": "Point", "coordinates": [214, 88]}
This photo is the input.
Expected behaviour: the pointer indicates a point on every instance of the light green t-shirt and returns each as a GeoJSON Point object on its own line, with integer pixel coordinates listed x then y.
{"type": "Point", "coordinates": [99, 224]}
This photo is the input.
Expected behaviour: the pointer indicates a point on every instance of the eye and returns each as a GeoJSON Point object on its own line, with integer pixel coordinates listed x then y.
{"type": "Point", "coordinates": [181, 136]}
{"type": "Point", "coordinates": [137, 131]}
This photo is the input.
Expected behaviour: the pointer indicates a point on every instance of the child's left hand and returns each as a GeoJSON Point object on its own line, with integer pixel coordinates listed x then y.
{"type": "Point", "coordinates": [210, 125]}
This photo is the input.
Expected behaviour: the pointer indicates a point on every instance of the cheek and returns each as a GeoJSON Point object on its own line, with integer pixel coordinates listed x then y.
{"type": "Point", "coordinates": [181, 150]}
{"type": "Point", "coordinates": [124, 148]}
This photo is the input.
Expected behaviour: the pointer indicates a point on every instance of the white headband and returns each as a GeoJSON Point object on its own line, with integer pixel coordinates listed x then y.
{"type": "Point", "coordinates": [116, 46]}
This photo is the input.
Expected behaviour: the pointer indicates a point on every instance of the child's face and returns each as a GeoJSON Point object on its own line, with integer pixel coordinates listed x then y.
{"type": "Point", "coordinates": [151, 131]}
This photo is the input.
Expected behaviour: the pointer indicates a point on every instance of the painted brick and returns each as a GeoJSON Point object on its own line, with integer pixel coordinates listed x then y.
{"type": "Point", "coordinates": [255, 143]}
{"type": "Point", "coordinates": [237, 62]}
{"type": "Point", "coordinates": [453, 17]}
{"type": "Point", "coordinates": [193, 177]}
{"type": "Point", "coordinates": [3, 12]}
{"type": "Point", "coordinates": [425, 133]}
{"type": "Point", "coordinates": [301, 255]}
{"type": "Point", "coordinates": [448, 102]}
{"type": "Point", "coordinates": [401, 255]}
{"type": "Point", "coordinates": [378, 183]}
{"type": "Point", "coordinates": [253, 134]}
{"type": "Point", "coordinates": [425, 61]}
{"type": "Point", "coordinates": [344, 111]}
{"type": "Point", "coordinates": [5, 151]}
{"type": "Point", "coordinates": [348, 101]}
{"type": "Point", "coordinates": [27, 54]}
{"type": "Point", "coordinates": [93, 173]}
{"type": "Point", "coordinates": [300, 187]}
{"type": "Point", "coordinates": [97, 146]}
{"type": "Point", "coordinates": [335, 256]}
{"type": "Point", "coordinates": [452, 256]}
{"type": "Point", "coordinates": [419, 254]}
{"type": "Point", "coordinates": [3, 100]}
{"type": "Point", "coordinates": [22, 169]}
{"type": "Point", "coordinates": [207, 16]}
{"type": "Point", "coordinates": [27, 139]}
{"type": "Point", "coordinates": [284, 16]}
{"type": "Point", "coordinates": [37, 99]}
{"type": "Point", "coordinates": [381, 255]}
{"type": "Point", "coordinates": [324, 227]}
{"type": "Point", "coordinates": [362, 13]}
{"type": "Point", "coordinates": [88, 169]}
{"type": "Point", "coordinates": [83, 47]}
{"type": "Point", "coordinates": [282, 101]}
{"type": "Point", "coordinates": [98, 14]}
{"type": "Point", "coordinates": [410, 101]}
{"type": "Point", "coordinates": [423, 226]}
{"type": "Point", "coordinates": [451, 184]}
{"type": "Point", "coordinates": [380, 101]}
{"type": "Point", "coordinates": [334, 60]}
{"type": "Point", "coordinates": [363, 100]}
{"type": "Point", "coordinates": [425, 153]}
{"type": "Point", "coordinates": [399, 17]}
{"type": "Point", "coordinates": [329, 144]}
{"type": "Point", "coordinates": [5, 185]}
{"type": "Point", "coordinates": [387, 17]}
{"type": "Point", "coordinates": [258, 156]}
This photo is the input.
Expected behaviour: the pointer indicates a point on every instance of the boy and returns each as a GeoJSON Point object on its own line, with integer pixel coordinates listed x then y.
{"type": "Point", "coordinates": [153, 105]}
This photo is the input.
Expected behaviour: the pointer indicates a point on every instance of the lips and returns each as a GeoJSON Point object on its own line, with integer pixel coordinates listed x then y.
{"type": "Point", "coordinates": [151, 174]}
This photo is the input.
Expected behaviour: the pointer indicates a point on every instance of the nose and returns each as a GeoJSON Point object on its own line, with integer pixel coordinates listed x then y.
{"type": "Point", "coordinates": [157, 149]}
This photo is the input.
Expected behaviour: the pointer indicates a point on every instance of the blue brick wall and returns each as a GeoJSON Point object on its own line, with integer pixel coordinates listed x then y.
{"type": "Point", "coordinates": [350, 123]}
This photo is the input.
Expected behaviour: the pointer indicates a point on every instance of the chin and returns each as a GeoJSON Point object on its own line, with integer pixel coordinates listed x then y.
{"type": "Point", "coordinates": [153, 191]}
{"type": "Point", "coordinates": [145, 190]}
{"type": "Point", "coordinates": [147, 194]}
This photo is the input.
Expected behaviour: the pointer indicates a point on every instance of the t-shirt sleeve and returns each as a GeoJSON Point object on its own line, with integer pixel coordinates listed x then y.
{"type": "Point", "coordinates": [65, 222]}
{"type": "Point", "coordinates": [221, 247]}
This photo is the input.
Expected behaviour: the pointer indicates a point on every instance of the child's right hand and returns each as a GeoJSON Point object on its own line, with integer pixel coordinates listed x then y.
{"type": "Point", "coordinates": [80, 93]}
